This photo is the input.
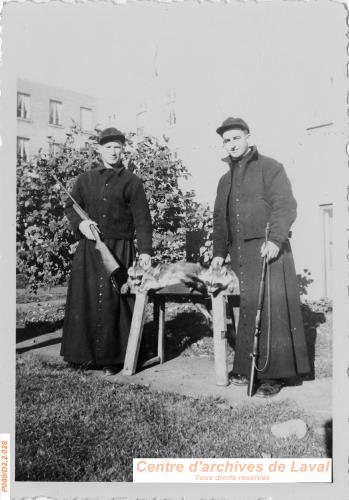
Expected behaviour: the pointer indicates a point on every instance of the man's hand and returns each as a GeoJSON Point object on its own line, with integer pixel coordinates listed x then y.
{"type": "Point", "coordinates": [270, 250]}
{"type": "Point", "coordinates": [84, 228]}
{"type": "Point", "coordinates": [145, 261]}
{"type": "Point", "coordinates": [217, 262]}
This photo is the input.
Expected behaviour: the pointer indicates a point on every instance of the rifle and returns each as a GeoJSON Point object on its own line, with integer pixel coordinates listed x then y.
{"type": "Point", "coordinates": [257, 331]}
{"type": "Point", "coordinates": [115, 271]}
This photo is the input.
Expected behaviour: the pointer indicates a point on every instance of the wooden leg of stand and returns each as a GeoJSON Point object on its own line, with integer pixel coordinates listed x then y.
{"type": "Point", "coordinates": [219, 339]}
{"type": "Point", "coordinates": [236, 313]}
{"type": "Point", "coordinates": [135, 336]}
{"type": "Point", "coordinates": [161, 332]}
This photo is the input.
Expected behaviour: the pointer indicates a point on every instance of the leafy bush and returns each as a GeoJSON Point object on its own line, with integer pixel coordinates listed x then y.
{"type": "Point", "coordinates": [323, 305]}
{"type": "Point", "coordinates": [45, 242]}
{"type": "Point", "coordinates": [173, 211]}
{"type": "Point", "coordinates": [304, 280]}
{"type": "Point", "coordinates": [200, 225]}
{"type": "Point", "coordinates": [44, 313]}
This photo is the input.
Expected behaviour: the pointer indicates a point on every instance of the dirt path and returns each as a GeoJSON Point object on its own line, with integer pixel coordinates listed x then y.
{"type": "Point", "coordinates": [194, 376]}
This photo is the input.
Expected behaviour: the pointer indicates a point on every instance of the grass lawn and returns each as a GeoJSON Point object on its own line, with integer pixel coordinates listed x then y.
{"type": "Point", "coordinates": [76, 426]}
{"type": "Point", "coordinates": [187, 331]}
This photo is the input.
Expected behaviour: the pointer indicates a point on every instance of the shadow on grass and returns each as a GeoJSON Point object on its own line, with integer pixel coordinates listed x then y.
{"type": "Point", "coordinates": [36, 329]}
{"type": "Point", "coordinates": [180, 332]}
{"type": "Point", "coordinates": [311, 321]}
{"type": "Point", "coordinates": [46, 343]}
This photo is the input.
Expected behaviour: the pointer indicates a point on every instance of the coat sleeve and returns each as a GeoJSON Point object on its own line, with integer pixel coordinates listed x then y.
{"type": "Point", "coordinates": [141, 218]}
{"type": "Point", "coordinates": [219, 231]}
{"type": "Point", "coordinates": [282, 202]}
{"type": "Point", "coordinates": [72, 216]}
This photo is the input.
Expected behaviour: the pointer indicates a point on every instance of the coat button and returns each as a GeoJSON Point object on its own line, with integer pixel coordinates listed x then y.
{"type": "Point", "coordinates": [103, 216]}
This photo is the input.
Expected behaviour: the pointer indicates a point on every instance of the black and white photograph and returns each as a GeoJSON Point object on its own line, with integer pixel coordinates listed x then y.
{"type": "Point", "coordinates": [174, 203]}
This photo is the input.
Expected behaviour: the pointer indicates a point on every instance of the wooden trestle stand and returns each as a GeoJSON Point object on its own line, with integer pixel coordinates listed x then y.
{"type": "Point", "coordinates": [180, 293]}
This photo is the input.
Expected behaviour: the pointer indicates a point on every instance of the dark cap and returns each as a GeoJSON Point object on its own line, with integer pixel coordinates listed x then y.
{"type": "Point", "coordinates": [232, 123]}
{"type": "Point", "coordinates": [111, 134]}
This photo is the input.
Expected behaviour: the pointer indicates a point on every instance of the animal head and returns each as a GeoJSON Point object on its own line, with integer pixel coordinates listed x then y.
{"type": "Point", "coordinates": [140, 280]}
{"type": "Point", "coordinates": [135, 276]}
{"type": "Point", "coordinates": [219, 279]}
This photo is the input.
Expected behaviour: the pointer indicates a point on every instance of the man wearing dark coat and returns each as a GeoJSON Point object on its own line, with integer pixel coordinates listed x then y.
{"type": "Point", "coordinates": [256, 191]}
{"type": "Point", "coordinates": [97, 319]}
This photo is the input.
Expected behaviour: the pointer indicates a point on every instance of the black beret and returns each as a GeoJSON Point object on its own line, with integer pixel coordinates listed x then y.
{"type": "Point", "coordinates": [232, 123]}
{"type": "Point", "coordinates": [111, 134]}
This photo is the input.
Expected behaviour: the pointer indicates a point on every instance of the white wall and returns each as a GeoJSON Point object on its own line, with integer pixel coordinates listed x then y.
{"type": "Point", "coordinates": [317, 163]}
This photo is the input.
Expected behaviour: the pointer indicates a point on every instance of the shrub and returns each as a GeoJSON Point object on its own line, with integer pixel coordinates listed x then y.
{"type": "Point", "coordinates": [45, 242]}
{"type": "Point", "coordinates": [323, 305]}
{"type": "Point", "coordinates": [304, 280]}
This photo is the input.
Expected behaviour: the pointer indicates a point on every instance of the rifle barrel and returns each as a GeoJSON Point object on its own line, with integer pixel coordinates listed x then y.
{"type": "Point", "coordinates": [76, 205]}
{"type": "Point", "coordinates": [254, 352]}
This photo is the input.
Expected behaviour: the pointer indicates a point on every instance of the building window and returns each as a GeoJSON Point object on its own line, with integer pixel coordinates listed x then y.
{"type": "Point", "coordinates": [56, 148]}
{"type": "Point", "coordinates": [327, 242]}
{"type": "Point", "coordinates": [55, 112]}
{"type": "Point", "coordinates": [23, 148]}
{"type": "Point", "coordinates": [23, 106]}
{"type": "Point", "coordinates": [86, 119]}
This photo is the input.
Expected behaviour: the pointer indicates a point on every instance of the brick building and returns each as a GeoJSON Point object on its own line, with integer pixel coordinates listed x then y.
{"type": "Point", "coordinates": [46, 112]}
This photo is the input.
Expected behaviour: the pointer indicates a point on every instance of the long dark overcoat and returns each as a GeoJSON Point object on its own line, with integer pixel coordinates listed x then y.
{"type": "Point", "coordinates": [97, 320]}
{"type": "Point", "coordinates": [252, 193]}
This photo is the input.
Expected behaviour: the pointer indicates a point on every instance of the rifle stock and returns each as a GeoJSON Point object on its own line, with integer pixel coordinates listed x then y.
{"type": "Point", "coordinates": [108, 259]}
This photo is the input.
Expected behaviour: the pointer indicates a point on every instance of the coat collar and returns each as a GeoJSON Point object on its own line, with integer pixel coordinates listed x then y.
{"type": "Point", "coordinates": [253, 153]}
{"type": "Point", "coordinates": [118, 170]}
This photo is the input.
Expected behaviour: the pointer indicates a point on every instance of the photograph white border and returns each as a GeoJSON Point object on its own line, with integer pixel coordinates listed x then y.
{"type": "Point", "coordinates": [338, 490]}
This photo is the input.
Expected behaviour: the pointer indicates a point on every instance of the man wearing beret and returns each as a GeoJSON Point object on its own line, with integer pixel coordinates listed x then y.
{"type": "Point", "coordinates": [97, 320]}
{"type": "Point", "coordinates": [256, 191]}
